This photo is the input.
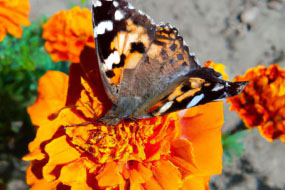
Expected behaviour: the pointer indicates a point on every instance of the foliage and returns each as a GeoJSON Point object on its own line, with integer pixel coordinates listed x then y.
{"type": "Point", "coordinates": [233, 145]}
{"type": "Point", "coordinates": [22, 62]}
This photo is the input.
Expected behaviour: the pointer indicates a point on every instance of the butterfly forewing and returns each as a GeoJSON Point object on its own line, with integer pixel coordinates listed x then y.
{"type": "Point", "coordinates": [122, 35]}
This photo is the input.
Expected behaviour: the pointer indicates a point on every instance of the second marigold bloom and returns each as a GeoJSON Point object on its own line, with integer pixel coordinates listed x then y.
{"type": "Point", "coordinates": [66, 34]}
{"type": "Point", "coordinates": [262, 102]}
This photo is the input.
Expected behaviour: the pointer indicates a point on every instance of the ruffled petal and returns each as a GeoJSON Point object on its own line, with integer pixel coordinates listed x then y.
{"type": "Point", "coordinates": [202, 126]}
{"type": "Point", "coordinates": [13, 14]}
{"type": "Point", "coordinates": [52, 92]}
{"type": "Point", "coordinates": [60, 153]}
{"type": "Point", "coordinates": [110, 176]}
{"type": "Point", "coordinates": [196, 183]}
{"type": "Point", "coordinates": [167, 175]}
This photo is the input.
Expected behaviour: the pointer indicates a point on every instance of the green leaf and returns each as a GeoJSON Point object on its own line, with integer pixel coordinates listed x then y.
{"type": "Point", "coordinates": [233, 145]}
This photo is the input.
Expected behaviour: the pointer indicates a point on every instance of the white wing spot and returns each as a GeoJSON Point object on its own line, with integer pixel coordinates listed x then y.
{"type": "Point", "coordinates": [116, 4]}
{"type": "Point", "coordinates": [195, 100]}
{"type": "Point", "coordinates": [102, 27]}
{"type": "Point", "coordinates": [119, 15]}
{"type": "Point", "coordinates": [97, 3]}
{"type": "Point", "coordinates": [165, 107]}
{"type": "Point", "coordinates": [114, 58]}
{"type": "Point", "coordinates": [218, 87]}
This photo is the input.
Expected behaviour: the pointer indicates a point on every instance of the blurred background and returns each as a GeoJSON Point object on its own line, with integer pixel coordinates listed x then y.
{"type": "Point", "coordinates": [238, 33]}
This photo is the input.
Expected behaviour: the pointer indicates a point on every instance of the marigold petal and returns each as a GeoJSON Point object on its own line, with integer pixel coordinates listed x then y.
{"type": "Point", "coordinates": [52, 91]}
{"type": "Point", "coordinates": [43, 184]}
{"type": "Point", "coordinates": [2, 33]}
{"type": "Point", "coordinates": [183, 148]}
{"type": "Point", "coordinates": [81, 186]}
{"type": "Point", "coordinates": [12, 27]}
{"type": "Point", "coordinates": [36, 154]}
{"type": "Point", "coordinates": [110, 176]}
{"type": "Point", "coordinates": [39, 183]}
{"type": "Point", "coordinates": [167, 175]}
{"type": "Point", "coordinates": [145, 172]}
{"type": "Point", "coordinates": [60, 152]}
{"type": "Point", "coordinates": [75, 175]}
{"type": "Point", "coordinates": [136, 186]}
{"type": "Point", "coordinates": [151, 184]}
{"type": "Point", "coordinates": [204, 129]}
{"type": "Point", "coordinates": [30, 177]}
{"type": "Point", "coordinates": [182, 156]}
{"type": "Point", "coordinates": [138, 174]}
{"type": "Point", "coordinates": [13, 14]}
{"type": "Point", "coordinates": [196, 182]}
{"type": "Point", "coordinates": [74, 172]}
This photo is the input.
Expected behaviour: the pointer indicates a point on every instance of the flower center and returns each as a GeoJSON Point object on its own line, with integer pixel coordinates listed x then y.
{"type": "Point", "coordinates": [124, 142]}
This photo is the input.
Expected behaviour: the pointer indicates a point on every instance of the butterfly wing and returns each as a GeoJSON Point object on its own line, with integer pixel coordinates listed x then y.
{"type": "Point", "coordinates": [165, 66]}
{"type": "Point", "coordinates": [203, 86]}
{"type": "Point", "coordinates": [147, 69]}
{"type": "Point", "coordinates": [170, 79]}
{"type": "Point", "coordinates": [122, 35]}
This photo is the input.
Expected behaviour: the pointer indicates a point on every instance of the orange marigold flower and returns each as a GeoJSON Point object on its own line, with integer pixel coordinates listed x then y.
{"type": "Point", "coordinates": [66, 34]}
{"type": "Point", "coordinates": [72, 150]}
{"type": "Point", "coordinates": [13, 14]}
{"type": "Point", "coordinates": [262, 103]}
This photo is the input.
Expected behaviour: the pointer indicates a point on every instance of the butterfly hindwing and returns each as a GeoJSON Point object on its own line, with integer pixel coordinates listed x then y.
{"type": "Point", "coordinates": [203, 86]}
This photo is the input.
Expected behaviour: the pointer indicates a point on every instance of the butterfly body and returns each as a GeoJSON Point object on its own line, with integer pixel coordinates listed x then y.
{"type": "Point", "coordinates": [147, 69]}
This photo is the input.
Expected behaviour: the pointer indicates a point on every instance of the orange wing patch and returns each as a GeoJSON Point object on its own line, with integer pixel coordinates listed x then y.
{"type": "Point", "coordinates": [131, 45]}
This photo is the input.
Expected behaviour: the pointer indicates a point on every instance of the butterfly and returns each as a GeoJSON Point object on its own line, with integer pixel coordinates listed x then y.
{"type": "Point", "coordinates": [146, 68]}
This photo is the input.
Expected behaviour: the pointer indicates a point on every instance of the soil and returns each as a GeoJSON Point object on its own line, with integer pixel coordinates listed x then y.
{"type": "Point", "coordinates": [238, 33]}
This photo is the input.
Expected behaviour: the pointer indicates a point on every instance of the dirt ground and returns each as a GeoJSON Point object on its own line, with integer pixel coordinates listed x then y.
{"type": "Point", "coordinates": [240, 34]}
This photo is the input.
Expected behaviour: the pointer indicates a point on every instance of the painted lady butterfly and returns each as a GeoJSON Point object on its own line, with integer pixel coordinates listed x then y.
{"type": "Point", "coordinates": [147, 69]}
